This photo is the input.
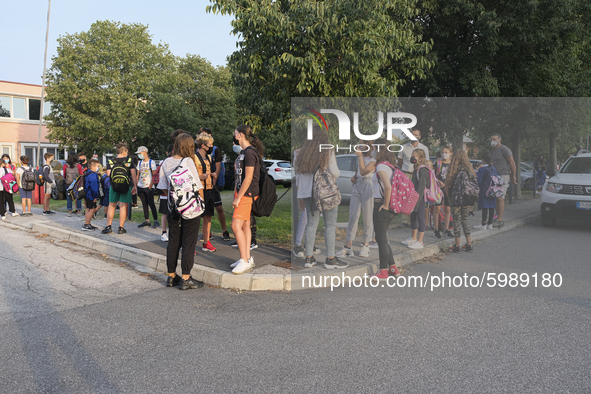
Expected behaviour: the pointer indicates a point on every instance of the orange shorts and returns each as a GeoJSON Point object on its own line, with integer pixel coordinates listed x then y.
{"type": "Point", "coordinates": [243, 210]}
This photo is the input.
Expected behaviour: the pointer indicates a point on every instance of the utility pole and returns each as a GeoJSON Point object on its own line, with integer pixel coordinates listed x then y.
{"type": "Point", "coordinates": [43, 88]}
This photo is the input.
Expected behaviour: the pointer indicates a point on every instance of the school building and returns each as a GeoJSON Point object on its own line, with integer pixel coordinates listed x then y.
{"type": "Point", "coordinates": [20, 105]}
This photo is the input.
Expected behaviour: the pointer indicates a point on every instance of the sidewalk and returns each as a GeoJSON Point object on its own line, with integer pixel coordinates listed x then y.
{"type": "Point", "coordinates": [143, 246]}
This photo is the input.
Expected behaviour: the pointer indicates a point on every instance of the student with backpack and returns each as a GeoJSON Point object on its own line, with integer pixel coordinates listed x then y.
{"type": "Point", "coordinates": [462, 189]}
{"type": "Point", "coordinates": [25, 177]}
{"type": "Point", "coordinates": [70, 172]}
{"type": "Point", "coordinates": [177, 171]}
{"type": "Point", "coordinates": [246, 191]}
{"type": "Point", "coordinates": [93, 189]}
{"type": "Point", "coordinates": [146, 168]}
{"type": "Point", "coordinates": [48, 182]}
{"type": "Point", "coordinates": [487, 197]}
{"type": "Point", "coordinates": [420, 181]}
{"type": "Point", "coordinates": [123, 176]}
{"type": "Point", "coordinates": [8, 185]}
{"type": "Point", "coordinates": [317, 186]}
{"type": "Point", "coordinates": [441, 169]}
{"type": "Point", "coordinates": [361, 202]}
{"type": "Point", "coordinates": [218, 177]}
{"type": "Point", "coordinates": [106, 185]}
{"type": "Point", "coordinates": [383, 188]}
{"type": "Point", "coordinates": [205, 168]}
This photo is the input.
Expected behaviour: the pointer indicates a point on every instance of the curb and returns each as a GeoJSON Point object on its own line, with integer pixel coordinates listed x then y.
{"type": "Point", "coordinates": [251, 282]}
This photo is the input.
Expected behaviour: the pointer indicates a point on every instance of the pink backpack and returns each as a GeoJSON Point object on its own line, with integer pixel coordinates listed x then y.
{"type": "Point", "coordinates": [433, 193]}
{"type": "Point", "coordinates": [9, 182]}
{"type": "Point", "coordinates": [403, 197]}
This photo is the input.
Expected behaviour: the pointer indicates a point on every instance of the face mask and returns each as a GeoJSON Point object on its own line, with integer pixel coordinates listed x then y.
{"type": "Point", "coordinates": [413, 160]}
{"type": "Point", "coordinates": [6, 161]}
{"type": "Point", "coordinates": [207, 149]}
{"type": "Point", "coordinates": [140, 156]}
{"type": "Point", "coordinates": [81, 161]}
{"type": "Point", "coordinates": [494, 143]}
{"type": "Point", "coordinates": [445, 156]}
{"type": "Point", "coordinates": [237, 149]}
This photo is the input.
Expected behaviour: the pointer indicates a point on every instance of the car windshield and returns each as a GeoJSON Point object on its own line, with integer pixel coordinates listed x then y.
{"type": "Point", "coordinates": [579, 165]}
{"type": "Point", "coordinates": [283, 164]}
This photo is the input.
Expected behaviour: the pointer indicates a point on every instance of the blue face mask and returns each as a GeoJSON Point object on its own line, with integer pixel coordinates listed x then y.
{"type": "Point", "coordinates": [237, 149]}
{"type": "Point", "coordinates": [140, 156]}
{"type": "Point", "coordinates": [6, 161]}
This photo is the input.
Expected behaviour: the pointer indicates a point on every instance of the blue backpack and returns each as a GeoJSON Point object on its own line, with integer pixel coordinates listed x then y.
{"type": "Point", "coordinates": [222, 178]}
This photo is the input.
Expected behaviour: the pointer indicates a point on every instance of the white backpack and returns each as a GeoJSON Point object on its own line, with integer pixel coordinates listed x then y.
{"type": "Point", "coordinates": [184, 200]}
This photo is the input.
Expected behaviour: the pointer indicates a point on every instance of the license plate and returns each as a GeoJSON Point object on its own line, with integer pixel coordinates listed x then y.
{"type": "Point", "coordinates": [584, 205]}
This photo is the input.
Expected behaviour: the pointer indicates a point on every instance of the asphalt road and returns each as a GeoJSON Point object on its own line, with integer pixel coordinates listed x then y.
{"type": "Point", "coordinates": [96, 326]}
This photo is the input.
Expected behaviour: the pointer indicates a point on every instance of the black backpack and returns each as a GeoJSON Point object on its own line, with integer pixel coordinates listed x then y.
{"type": "Point", "coordinates": [120, 176]}
{"type": "Point", "coordinates": [39, 176]}
{"type": "Point", "coordinates": [263, 206]}
{"type": "Point", "coordinates": [28, 180]}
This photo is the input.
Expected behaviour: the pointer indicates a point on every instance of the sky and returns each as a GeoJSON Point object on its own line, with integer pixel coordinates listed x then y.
{"type": "Point", "coordinates": [182, 24]}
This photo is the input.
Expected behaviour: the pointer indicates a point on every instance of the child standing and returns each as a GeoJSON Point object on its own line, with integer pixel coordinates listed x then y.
{"type": "Point", "coordinates": [441, 169]}
{"type": "Point", "coordinates": [6, 195]}
{"type": "Point", "coordinates": [487, 204]}
{"type": "Point", "coordinates": [104, 202]}
{"type": "Point", "coordinates": [49, 184]}
{"type": "Point", "coordinates": [91, 185]}
{"type": "Point", "coordinates": [146, 168]}
{"type": "Point", "coordinates": [420, 180]}
{"type": "Point", "coordinates": [204, 165]}
{"type": "Point", "coordinates": [26, 196]}
{"type": "Point", "coordinates": [460, 167]}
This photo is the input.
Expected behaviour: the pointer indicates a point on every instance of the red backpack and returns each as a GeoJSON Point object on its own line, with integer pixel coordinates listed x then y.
{"type": "Point", "coordinates": [404, 196]}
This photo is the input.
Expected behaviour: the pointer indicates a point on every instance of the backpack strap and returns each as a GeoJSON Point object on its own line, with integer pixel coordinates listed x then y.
{"type": "Point", "coordinates": [261, 173]}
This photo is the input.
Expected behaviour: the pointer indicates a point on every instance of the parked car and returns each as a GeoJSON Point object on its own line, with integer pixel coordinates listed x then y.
{"type": "Point", "coordinates": [59, 192]}
{"type": "Point", "coordinates": [348, 166]}
{"type": "Point", "coordinates": [280, 171]}
{"type": "Point", "coordinates": [567, 195]}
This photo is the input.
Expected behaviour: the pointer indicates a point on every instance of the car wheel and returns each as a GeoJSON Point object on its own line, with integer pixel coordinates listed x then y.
{"type": "Point", "coordinates": [548, 221]}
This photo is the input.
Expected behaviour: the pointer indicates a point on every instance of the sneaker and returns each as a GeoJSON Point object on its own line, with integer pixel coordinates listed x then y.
{"type": "Point", "coordinates": [45, 213]}
{"type": "Point", "coordinates": [50, 212]}
{"type": "Point", "coordinates": [3, 217]}
{"type": "Point", "coordinates": [479, 227]}
{"type": "Point", "coordinates": [156, 224]}
{"type": "Point", "coordinates": [30, 214]}
{"type": "Point", "coordinates": [164, 237]}
{"type": "Point", "coordinates": [345, 252]}
{"type": "Point", "coordinates": [382, 274]}
{"type": "Point", "coordinates": [334, 263]}
{"type": "Point", "coordinates": [298, 251]}
{"type": "Point", "coordinates": [121, 230]}
{"type": "Point", "coordinates": [456, 249]}
{"type": "Point", "coordinates": [471, 213]}
{"type": "Point", "coordinates": [75, 212]}
{"type": "Point", "coordinates": [468, 248]}
{"type": "Point", "coordinates": [234, 244]}
{"type": "Point", "coordinates": [437, 234]}
{"type": "Point", "coordinates": [499, 224]}
{"type": "Point", "coordinates": [243, 267]}
{"type": "Point", "coordinates": [489, 226]}
{"type": "Point", "coordinates": [364, 251]}
{"type": "Point", "coordinates": [234, 264]}
{"type": "Point", "coordinates": [373, 245]}
{"type": "Point", "coordinates": [93, 227]}
{"type": "Point", "coordinates": [226, 236]}
{"type": "Point", "coordinates": [87, 227]}
{"type": "Point", "coordinates": [190, 283]}
{"type": "Point", "coordinates": [170, 281]}
{"type": "Point", "coordinates": [208, 247]}
{"type": "Point", "coordinates": [310, 262]}
{"type": "Point", "coordinates": [253, 245]}
{"type": "Point", "coordinates": [144, 224]}
{"type": "Point", "coordinates": [69, 214]}
{"type": "Point", "coordinates": [393, 271]}
{"type": "Point", "coordinates": [107, 230]}
{"type": "Point", "coordinates": [416, 245]}
{"type": "Point", "coordinates": [315, 250]}
{"type": "Point", "coordinates": [448, 234]}
{"type": "Point", "coordinates": [15, 214]}
{"type": "Point", "coordinates": [408, 241]}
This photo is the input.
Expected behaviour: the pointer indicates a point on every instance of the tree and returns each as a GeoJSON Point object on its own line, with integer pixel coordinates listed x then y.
{"type": "Point", "coordinates": [309, 48]}
{"type": "Point", "coordinates": [100, 84]}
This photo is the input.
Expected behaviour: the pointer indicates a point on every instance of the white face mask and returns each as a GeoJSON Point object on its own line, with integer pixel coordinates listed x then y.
{"type": "Point", "coordinates": [445, 156]}
{"type": "Point", "coordinates": [494, 143]}
{"type": "Point", "coordinates": [237, 149]}
{"type": "Point", "coordinates": [140, 156]}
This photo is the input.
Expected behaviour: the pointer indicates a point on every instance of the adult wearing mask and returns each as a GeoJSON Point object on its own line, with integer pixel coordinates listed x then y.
{"type": "Point", "coordinates": [502, 160]}
{"type": "Point", "coordinates": [406, 166]}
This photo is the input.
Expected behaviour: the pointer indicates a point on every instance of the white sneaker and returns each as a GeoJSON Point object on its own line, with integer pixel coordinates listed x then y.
{"type": "Point", "coordinates": [234, 264]}
{"type": "Point", "coordinates": [243, 267]}
{"type": "Point", "coordinates": [164, 237]}
{"type": "Point", "coordinates": [408, 241]}
{"type": "Point", "coordinates": [15, 214]}
{"type": "Point", "coordinates": [479, 227]}
{"type": "Point", "coordinates": [416, 245]}
{"type": "Point", "coordinates": [373, 244]}
{"type": "Point", "coordinates": [3, 217]}
{"type": "Point", "coordinates": [364, 251]}
{"type": "Point", "coordinates": [489, 226]}
{"type": "Point", "coordinates": [345, 252]}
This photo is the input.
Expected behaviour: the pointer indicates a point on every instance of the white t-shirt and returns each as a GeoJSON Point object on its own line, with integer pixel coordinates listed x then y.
{"type": "Point", "coordinates": [170, 164]}
{"type": "Point", "coordinates": [20, 172]}
{"type": "Point", "coordinates": [377, 190]}
{"type": "Point", "coordinates": [144, 169]}
{"type": "Point", "coordinates": [406, 154]}
{"type": "Point", "coordinates": [366, 161]}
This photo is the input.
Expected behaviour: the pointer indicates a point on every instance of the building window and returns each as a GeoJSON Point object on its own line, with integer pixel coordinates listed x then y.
{"type": "Point", "coordinates": [29, 152]}
{"type": "Point", "coordinates": [4, 107]}
{"type": "Point", "coordinates": [34, 109]}
{"type": "Point", "coordinates": [19, 108]}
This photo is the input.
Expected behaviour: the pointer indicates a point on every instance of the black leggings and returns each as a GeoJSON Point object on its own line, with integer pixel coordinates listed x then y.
{"type": "Point", "coordinates": [381, 222]}
{"type": "Point", "coordinates": [417, 219]}
{"type": "Point", "coordinates": [490, 212]}
{"type": "Point", "coordinates": [182, 233]}
{"type": "Point", "coordinates": [6, 198]}
{"type": "Point", "coordinates": [147, 197]}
